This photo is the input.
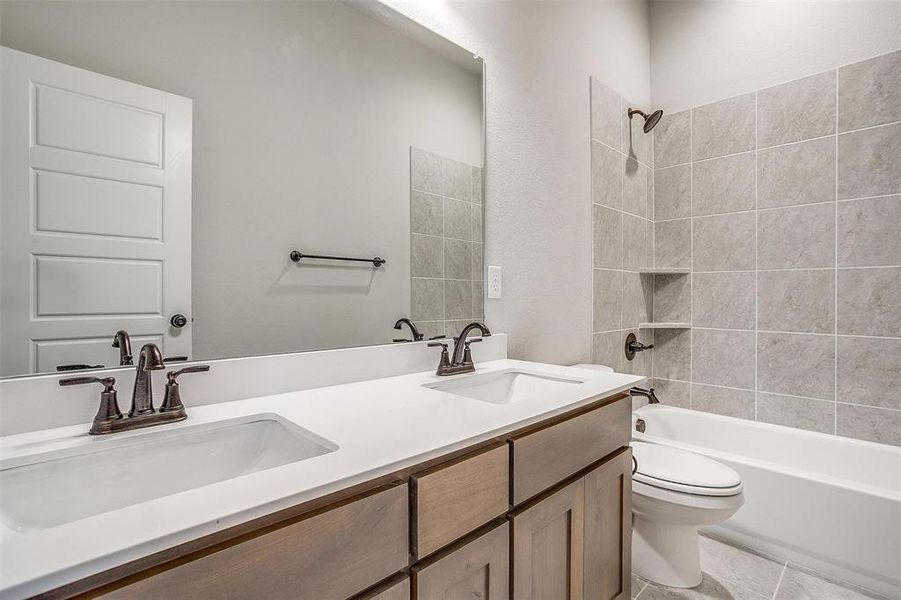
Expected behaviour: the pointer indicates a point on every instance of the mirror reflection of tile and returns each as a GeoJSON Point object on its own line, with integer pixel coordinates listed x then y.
{"type": "Point", "coordinates": [445, 243]}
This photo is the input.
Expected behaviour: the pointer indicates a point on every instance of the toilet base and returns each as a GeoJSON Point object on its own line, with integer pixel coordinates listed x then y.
{"type": "Point", "coordinates": [666, 554]}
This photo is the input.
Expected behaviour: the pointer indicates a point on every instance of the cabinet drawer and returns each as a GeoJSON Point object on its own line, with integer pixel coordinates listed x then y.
{"type": "Point", "coordinates": [330, 555]}
{"type": "Point", "coordinates": [450, 501]}
{"type": "Point", "coordinates": [396, 589]}
{"type": "Point", "coordinates": [477, 569]}
{"type": "Point", "coordinates": [545, 457]}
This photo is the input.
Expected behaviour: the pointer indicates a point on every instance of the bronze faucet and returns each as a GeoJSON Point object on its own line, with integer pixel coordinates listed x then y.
{"type": "Point", "coordinates": [462, 356]}
{"type": "Point", "coordinates": [142, 414]}
{"type": "Point", "coordinates": [149, 359]}
{"type": "Point", "coordinates": [123, 343]}
{"type": "Point", "coordinates": [417, 336]}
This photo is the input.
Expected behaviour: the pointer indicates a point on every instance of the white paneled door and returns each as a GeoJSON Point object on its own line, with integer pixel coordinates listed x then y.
{"type": "Point", "coordinates": [96, 216]}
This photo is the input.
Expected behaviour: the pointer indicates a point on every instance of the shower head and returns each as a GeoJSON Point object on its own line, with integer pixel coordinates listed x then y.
{"type": "Point", "coordinates": [650, 120]}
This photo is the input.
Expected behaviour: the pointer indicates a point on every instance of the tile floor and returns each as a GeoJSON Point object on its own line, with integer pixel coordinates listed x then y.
{"type": "Point", "coordinates": [732, 573]}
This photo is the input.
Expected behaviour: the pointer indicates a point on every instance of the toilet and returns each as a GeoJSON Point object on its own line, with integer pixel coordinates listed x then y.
{"type": "Point", "coordinates": [674, 492]}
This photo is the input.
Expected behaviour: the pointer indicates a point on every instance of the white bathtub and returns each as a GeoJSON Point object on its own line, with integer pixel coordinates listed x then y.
{"type": "Point", "coordinates": [824, 502]}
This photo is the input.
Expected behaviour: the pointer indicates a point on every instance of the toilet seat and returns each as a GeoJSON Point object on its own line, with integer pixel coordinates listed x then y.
{"type": "Point", "coordinates": [676, 470]}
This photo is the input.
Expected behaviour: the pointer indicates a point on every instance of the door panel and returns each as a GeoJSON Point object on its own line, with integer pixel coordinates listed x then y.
{"type": "Point", "coordinates": [547, 547]}
{"type": "Point", "coordinates": [96, 214]}
{"type": "Point", "coordinates": [608, 529]}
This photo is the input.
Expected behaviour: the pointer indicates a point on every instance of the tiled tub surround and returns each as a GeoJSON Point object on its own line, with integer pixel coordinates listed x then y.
{"type": "Point", "coordinates": [445, 243]}
{"type": "Point", "coordinates": [622, 241]}
{"type": "Point", "coordinates": [786, 205]}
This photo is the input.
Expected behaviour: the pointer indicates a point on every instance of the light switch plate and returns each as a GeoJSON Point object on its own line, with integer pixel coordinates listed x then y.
{"type": "Point", "coordinates": [495, 282]}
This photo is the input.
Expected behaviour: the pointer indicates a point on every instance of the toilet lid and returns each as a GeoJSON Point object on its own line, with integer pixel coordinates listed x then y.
{"type": "Point", "coordinates": [682, 471]}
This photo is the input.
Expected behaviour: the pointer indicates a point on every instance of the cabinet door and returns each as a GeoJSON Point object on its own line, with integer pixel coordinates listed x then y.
{"type": "Point", "coordinates": [478, 569]}
{"type": "Point", "coordinates": [608, 529]}
{"type": "Point", "coordinates": [547, 547]}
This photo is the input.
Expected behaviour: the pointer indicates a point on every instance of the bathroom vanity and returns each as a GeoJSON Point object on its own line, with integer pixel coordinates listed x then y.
{"type": "Point", "coordinates": [513, 481]}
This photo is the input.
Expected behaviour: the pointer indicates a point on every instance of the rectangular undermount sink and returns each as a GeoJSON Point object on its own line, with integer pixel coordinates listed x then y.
{"type": "Point", "coordinates": [59, 487]}
{"type": "Point", "coordinates": [504, 387]}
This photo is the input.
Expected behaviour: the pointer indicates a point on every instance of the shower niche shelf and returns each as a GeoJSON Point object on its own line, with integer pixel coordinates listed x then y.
{"type": "Point", "coordinates": [664, 271]}
{"type": "Point", "coordinates": [664, 325]}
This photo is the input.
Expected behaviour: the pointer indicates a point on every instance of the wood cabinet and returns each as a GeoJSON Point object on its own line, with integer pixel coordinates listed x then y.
{"type": "Point", "coordinates": [575, 543]}
{"type": "Point", "coordinates": [328, 556]}
{"type": "Point", "coordinates": [547, 546]}
{"type": "Point", "coordinates": [608, 529]}
{"type": "Point", "coordinates": [549, 455]}
{"type": "Point", "coordinates": [398, 588]}
{"type": "Point", "coordinates": [449, 501]}
{"type": "Point", "coordinates": [478, 569]}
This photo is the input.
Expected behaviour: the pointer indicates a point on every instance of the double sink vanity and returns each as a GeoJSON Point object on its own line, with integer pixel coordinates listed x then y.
{"type": "Point", "coordinates": [511, 481]}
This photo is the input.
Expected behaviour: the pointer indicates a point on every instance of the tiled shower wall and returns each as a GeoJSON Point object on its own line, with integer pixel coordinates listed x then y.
{"type": "Point", "coordinates": [785, 203]}
{"type": "Point", "coordinates": [623, 221]}
{"type": "Point", "coordinates": [445, 243]}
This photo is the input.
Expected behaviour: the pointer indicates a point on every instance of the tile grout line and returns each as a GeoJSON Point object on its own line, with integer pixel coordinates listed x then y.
{"type": "Point", "coordinates": [691, 252]}
{"type": "Point", "coordinates": [779, 583]}
{"type": "Point", "coordinates": [835, 276]}
{"type": "Point", "coordinates": [756, 252]}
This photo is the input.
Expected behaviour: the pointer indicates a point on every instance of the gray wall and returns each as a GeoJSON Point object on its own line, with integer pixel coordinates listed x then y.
{"type": "Point", "coordinates": [304, 114]}
{"type": "Point", "coordinates": [539, 57]}
{"type": "Point", "coordinates": [786, 205]}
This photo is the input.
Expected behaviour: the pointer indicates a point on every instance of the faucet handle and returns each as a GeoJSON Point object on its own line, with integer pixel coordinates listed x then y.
{"type": "Point", "coordinates": [437, 344]}
{"type": "Point", "coordinates": [172, 400]}
{"type": "Point", "coordinates": [471, 341]}
{"type": "Point", "coordinates": [109, 408]}
{"type": "Point", "coordinates": [444, 361]}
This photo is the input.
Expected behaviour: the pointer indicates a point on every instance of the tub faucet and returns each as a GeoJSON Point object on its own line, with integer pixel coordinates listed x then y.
{"type": "Point", "coordinates": [649, 394]}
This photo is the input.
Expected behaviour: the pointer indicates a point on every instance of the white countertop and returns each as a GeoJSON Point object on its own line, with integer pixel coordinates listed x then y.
{"type": "Point", "coordinates": [379, 426]}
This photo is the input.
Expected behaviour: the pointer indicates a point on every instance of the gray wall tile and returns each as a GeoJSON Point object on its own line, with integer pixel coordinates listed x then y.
{"type": "Point", "coordinates": [801, 301]}
{"type": "Point", "coordinates": [723, 401]}
{"type": "Point", "coordinates": [458, 299]}
{"type": "Point", "coordinates": [477, 267]}
{"type": "Point", "coordinates": [608, 300]}
{"type": "Point", "coordinates": [724, 127]}
{"type": "Point", "coordinates": [427, 299]}
{"type": "Point", "coordinates": [426, 213]}
{"type": "Point", "coordinates": [796, 364]}
{"type": "Point", "coordinates": [672, 139]}
{"type": "Point", "coordinates": [673, 393]}
{"type": "Point", "coordinates": [803, 413]}
{"type": "Point", "coordinates": [638, 299]}
{"type": "Point", "coordinates": [478, 300]}
{"type": "Point", "coordinates": [797, 110]}
{"type": "Point", "coordinates": [672, 354]}
{"type": "Point", "coordinates": [723, 185]}
{"type": "Point", "coordinates": [606, 176]}
{"type": "Point", "coordinates": [868, 301]}
{"type": "Point", "coordinates": [672, 244]}
{"type": "Point", "coordinates": [869, 232]}
{"type": "Point", "coordinates": [425, 171]}
{"type": "Point", "coordinates": [796, 237]}
{"type": "Point", "coordinates": [672, 298]}
{"type": "Point", "coordinates": [457, 179]}
{"type": "Point", "coordinates": [872, 424]}
{"type": "Point", "coordinates": [801, 173]}
{"type": "Point", "coordinates": [637, 234]}
{"type": "Point", "coordinates": [869, 371]}
{"type": "Point", "coordinates": [636, 187]}
{"type": "Point", "coordinates": [869, 92]}
{"type": "Point", "coordinates": [868, 163]}
{"type": "Point", "coordinates": [608, 238]}
{"type": "Point", "coordinates": [724, 242]}
{"type": "Point", "coordinates": [426, 256]}
{"type": "Point", "coordinates": [476, 221]}
{"type": "Point", "coordinates": [636, 143]}
{"type": "Point", "coordinates": [723, 357]}
{"type": "Point", "coordinates": [607, 349]}
{"type": "Point", "coordinates": [606, 116]}
{"type": "Point", "coordinates": [457, 219]}
{"type": "Point", "coordinates": [477, 185]}
{"type": "Point", "coordinates": [724, 300]}
{"type": "Point", "coordinates": [672, 193]}
{"type": "Point", "coordinates": [430, 329]}
{"type": "Point", "coordinates": [457, 259]}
